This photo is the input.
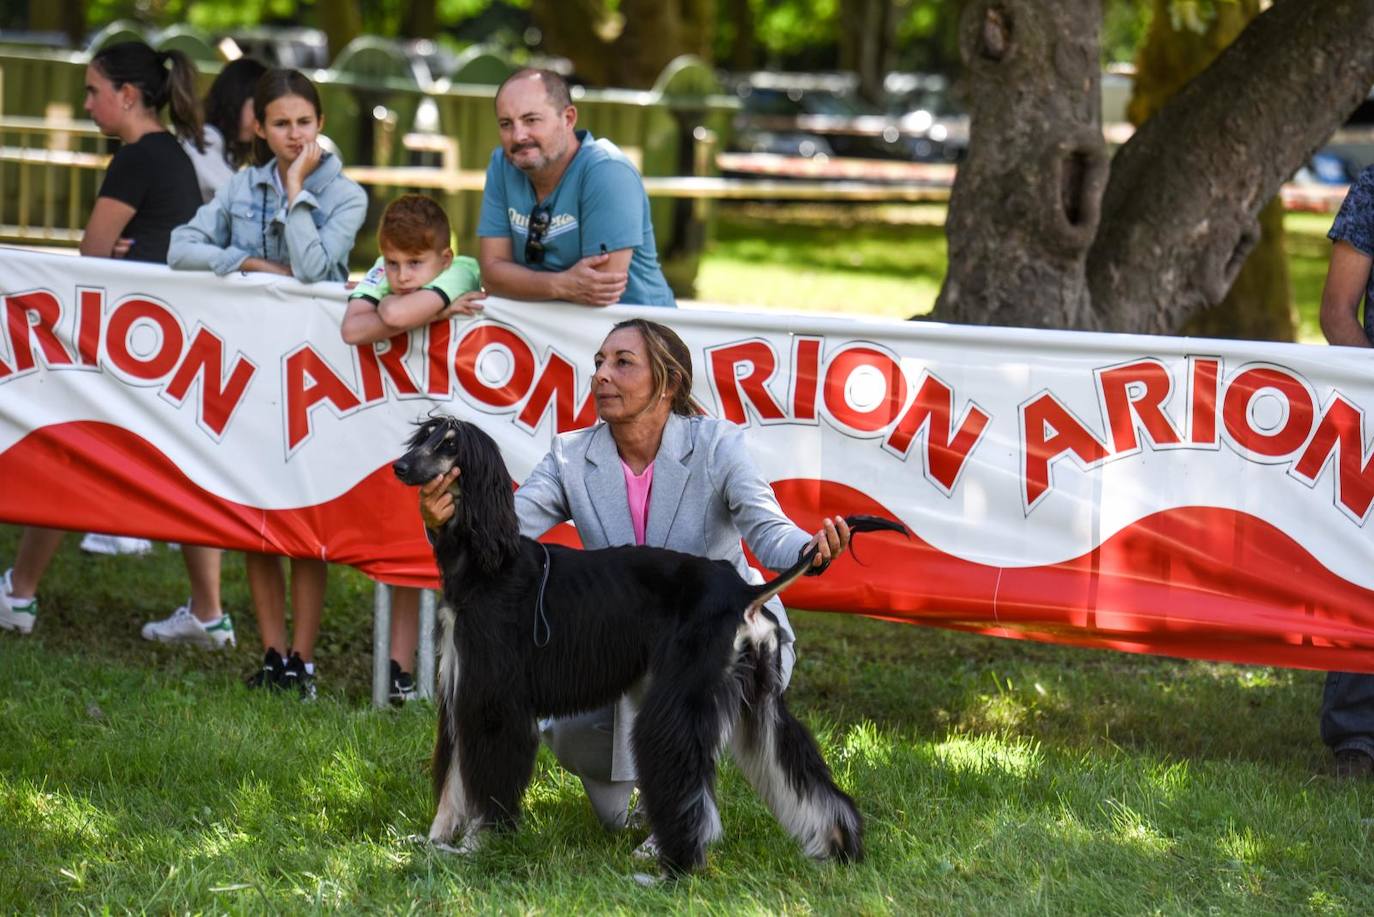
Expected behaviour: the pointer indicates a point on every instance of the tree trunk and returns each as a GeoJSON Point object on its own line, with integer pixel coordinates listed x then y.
{"type": "Point", "coordinates": [1259, 305]}
{"type": "Point", "coordinates": [629, 46]}
{"type": "Point", "coordinates": [66, 16]}
{"type": "Point", "coordinates": [1179, 212]}
{"type": "Point", "coordinates": [341, 21]}
{"type": "Point", "coordinates": [1179, 215]}
{"type": "Point", "coordinates": [865, 44]}
{"type": "Point", "coordinates": [421, 20]}
{"type": "Point", "coordinates": [1024, 208]}
{"type": "Point", "coordinates": [743, 53]}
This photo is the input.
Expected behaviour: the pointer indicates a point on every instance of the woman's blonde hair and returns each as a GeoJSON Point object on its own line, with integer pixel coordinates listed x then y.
{"type": "Point", "coordinates": [670, 363]}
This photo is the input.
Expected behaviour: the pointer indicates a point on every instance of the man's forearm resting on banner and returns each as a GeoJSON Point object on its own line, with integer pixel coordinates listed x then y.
{"type": "Point", "coordinates": [598, 280]}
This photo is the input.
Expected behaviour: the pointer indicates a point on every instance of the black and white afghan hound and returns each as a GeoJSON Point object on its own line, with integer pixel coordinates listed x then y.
{"type": "Point", "coordinates": [535, 631]}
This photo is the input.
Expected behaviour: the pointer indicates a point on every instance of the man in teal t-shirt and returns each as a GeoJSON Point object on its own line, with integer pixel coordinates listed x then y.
{"type": "Point", "coordinates": [564, 215]}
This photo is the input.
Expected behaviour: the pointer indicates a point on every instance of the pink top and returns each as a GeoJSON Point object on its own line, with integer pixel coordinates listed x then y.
{"type": "Point", "coordinates": [637, 488]}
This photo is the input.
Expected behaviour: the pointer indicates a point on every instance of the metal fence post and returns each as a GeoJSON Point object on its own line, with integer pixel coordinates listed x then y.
{"type": "Point", "coordinates": [381, 644]}
{"type": "Point", "coordinates": [424, 665]}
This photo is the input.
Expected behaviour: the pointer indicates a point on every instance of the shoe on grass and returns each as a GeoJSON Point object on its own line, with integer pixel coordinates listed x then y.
{"type": "Point", "coordinates": [270, 674]}
{"type": "Point", "coordinates": [1353, 764]}
{"type": "Point", "coordinates": [183, 627]}
{"type": "Point", "coordinates": [96, 543]}
{"type": "Point", "coordinates": [294, 677]}
{"type": "Point", "coordinates": [16, 614]}
{"type": "Point", "coordinates": [402, 686]}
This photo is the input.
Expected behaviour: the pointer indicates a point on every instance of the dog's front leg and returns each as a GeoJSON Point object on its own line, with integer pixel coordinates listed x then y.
{"type": "Point", "coordinates": [452, 812]}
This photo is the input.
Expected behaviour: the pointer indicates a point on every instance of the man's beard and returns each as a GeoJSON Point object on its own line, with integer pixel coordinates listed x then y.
{"type": "Point", "coordinates": [540, 163]}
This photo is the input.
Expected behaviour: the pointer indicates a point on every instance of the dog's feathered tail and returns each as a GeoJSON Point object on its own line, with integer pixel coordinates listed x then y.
{"type": "Point", "coordinates": [795, 572]}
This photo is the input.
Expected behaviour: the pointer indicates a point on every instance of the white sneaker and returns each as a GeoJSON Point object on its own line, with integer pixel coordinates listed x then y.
{"type": "Point", "coordinates": [184, 627]}
{"type": "Point", "coordinates": [15, 615]}
{"type": "Point", "coordinates": [95, 543]}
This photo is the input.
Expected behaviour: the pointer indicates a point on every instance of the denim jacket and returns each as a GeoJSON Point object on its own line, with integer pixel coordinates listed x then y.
{"type": "Point", "coordinates": [248, 218]}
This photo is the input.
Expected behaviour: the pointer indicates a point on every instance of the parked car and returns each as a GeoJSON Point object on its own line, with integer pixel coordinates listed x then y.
{"type": "Point", "coordinates": [820, 115]}
{"type": "Point", "coordinates": [926, 112]}
{"type": "Point", "coordinates": [284, 46]}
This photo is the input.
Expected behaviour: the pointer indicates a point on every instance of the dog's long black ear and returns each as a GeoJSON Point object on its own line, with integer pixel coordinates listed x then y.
{"type": "Point", "coordinates": [486, 503]}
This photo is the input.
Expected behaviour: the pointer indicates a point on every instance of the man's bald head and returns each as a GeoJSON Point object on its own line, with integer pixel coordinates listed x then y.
{"type": "Point", "coordinates": [555, 87]}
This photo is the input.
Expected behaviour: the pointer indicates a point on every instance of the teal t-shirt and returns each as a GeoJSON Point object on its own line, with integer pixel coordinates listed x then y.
{"type": "Point", "coordinates": [598, 205]}
{"type": "Point", "coordinates": [462, 276]}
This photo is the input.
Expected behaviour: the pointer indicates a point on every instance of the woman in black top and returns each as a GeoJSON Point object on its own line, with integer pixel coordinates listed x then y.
{"type": "Point", "coordinates": [150, 187]}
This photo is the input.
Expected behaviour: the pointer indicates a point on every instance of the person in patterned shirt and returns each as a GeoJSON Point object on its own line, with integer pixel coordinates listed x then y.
{"type": "Point", "coordinates": [1347, 714]}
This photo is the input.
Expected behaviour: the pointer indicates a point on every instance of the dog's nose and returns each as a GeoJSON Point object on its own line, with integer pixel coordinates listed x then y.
{"type": "Point", "coordinates": [401, 467]}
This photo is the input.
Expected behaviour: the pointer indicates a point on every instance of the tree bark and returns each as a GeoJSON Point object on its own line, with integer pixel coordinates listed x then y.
{"type": "Point", "coordinates": [1024, 208]}
{"type": "Point", "coordinates": [1180, 213]}
{"type": "Point", "coordinates": [1259, 305]}
{"type": "Point", "coordinates": [341, 21]}
{"type": "Point", "coordinates": [629, 46]}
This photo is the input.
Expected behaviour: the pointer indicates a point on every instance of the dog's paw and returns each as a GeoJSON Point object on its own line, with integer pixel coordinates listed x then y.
{"type": "Point", "coordinates": [648, 850]}
{"type": "Point", "coordinates": [472, 841]}
{"type": "Point", "coordinates": [645, 880]}
{"type": "Point", "coordinates": [446, 848]}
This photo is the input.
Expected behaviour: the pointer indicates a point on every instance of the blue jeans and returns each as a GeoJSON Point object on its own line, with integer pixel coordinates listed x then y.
{"type": "Point", "coordinates": [1347, 720]}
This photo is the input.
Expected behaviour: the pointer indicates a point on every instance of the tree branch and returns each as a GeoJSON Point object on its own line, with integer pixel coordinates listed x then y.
{"type": "Point", "coordinates": [1180, 211]}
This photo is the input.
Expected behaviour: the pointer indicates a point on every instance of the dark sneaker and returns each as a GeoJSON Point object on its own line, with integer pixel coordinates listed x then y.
{"type": "Point", "coordinates": [1353, 764]}
{"type": "Point", "coordinates": [295, 678]}
{"type": "Point", "coordinates": [402, 685]}
{"type": "Point", "coordinates": [270, 675]}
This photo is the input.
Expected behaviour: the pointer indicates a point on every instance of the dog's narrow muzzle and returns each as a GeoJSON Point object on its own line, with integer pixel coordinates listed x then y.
{"type": "Point", "coordinates": [402, 468]}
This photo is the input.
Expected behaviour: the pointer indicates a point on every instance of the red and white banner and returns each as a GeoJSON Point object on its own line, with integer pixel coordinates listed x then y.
{"type": "Point", "coordinates": [1151, 494]}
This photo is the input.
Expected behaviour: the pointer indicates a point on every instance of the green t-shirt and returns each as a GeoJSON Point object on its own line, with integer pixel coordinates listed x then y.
{"type": "Point", "coordinates": [462, 276]}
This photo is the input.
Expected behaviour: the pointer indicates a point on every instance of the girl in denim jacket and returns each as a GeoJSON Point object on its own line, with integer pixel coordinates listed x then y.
{"type": "Point", "coordinates": [295, 215]}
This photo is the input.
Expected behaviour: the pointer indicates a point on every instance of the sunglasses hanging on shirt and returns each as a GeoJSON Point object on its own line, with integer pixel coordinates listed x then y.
{"type": "Point", "coordinates": [534, 238]}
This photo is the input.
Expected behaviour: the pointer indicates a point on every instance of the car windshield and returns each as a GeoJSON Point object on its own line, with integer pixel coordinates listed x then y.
{"type": "Point", "coordinates": [828, 103]}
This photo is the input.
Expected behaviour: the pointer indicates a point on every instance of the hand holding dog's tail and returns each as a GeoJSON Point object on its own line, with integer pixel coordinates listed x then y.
{"type": "Point", "coordinates": [857, 524]}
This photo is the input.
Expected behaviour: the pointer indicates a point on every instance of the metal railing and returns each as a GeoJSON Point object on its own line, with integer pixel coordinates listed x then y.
{"type": "Point", "coordinates": [51, 167]}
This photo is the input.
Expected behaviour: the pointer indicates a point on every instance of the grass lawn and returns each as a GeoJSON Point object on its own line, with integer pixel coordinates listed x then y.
{"type": "Point", "coordinates": [889, 261]}
{"type": "Point", "coordinates": [996, 776]}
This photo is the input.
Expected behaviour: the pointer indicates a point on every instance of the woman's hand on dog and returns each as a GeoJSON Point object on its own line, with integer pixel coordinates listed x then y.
{"type": "Point", "coordinates": [832, 540]}
{"type": "Point", "coordinates": [436, 502]}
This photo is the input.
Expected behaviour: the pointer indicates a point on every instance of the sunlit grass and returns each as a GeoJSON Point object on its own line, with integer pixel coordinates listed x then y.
{"type": "Point", "coordinates": [889, 262]}
{"type": "Point", "coordinates": [995, 776]}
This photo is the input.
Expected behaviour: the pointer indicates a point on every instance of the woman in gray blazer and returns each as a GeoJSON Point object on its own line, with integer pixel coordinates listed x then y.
{"type": "Point", "coordinates": [658, 473]}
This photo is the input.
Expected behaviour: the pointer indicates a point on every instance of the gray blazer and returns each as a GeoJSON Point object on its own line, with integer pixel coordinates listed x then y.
{"type": "Point", "coordinates": [707, 494]}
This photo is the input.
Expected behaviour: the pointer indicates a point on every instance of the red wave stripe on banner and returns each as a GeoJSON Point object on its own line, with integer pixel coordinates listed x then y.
{"type": "Point", "coordinates": [99, 477]}
{"type": "Point", "coordinates": [1150, 588]}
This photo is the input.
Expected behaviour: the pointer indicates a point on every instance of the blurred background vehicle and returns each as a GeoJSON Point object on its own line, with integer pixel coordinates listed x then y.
{"type": "Point", "coordinates": [821, 115]}
{"type": "Point", "coordinates": [926, 112]}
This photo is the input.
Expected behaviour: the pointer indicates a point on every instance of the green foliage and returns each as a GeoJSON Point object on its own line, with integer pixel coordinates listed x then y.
{"type": "Point", "coordinates": [797, 25]}
{"type": "Point", "coordinates": [1124, 24]}
{"type": "Point", "coordinates": [381, 17]}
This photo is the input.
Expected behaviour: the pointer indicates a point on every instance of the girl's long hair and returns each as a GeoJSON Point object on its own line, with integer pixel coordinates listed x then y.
{"type": "Point", "coordinates": [236, 83]}
{"type": "Point", "coordinates": [163, 78]}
